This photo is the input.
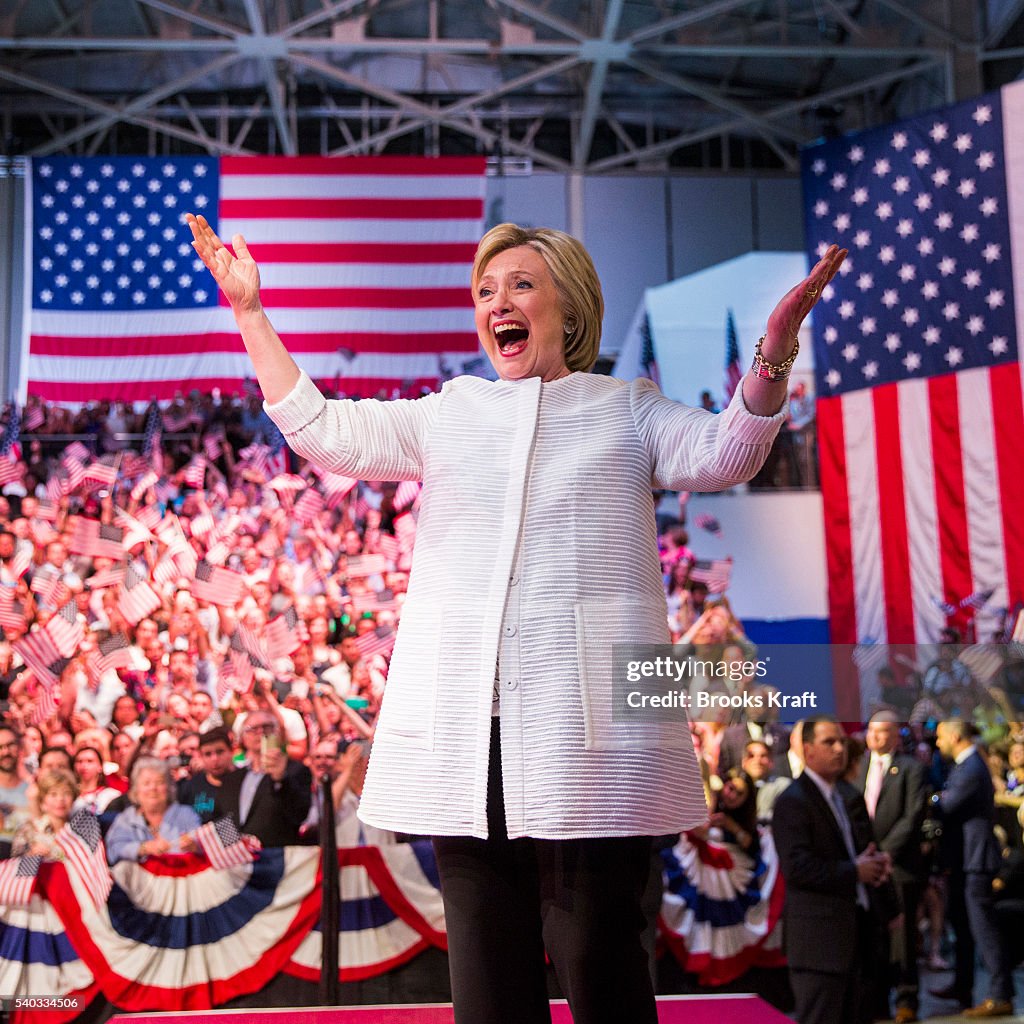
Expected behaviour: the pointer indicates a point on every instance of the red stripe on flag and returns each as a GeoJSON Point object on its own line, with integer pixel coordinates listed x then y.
{"type": "Point", "coordinates": [142, 391]}
{"type": "Point", "coordinates": [352, 209]}
{"type": "Point", "coordinates": [173, 344]}
{"type": "Point", "coordinates": [899, 604]}
{"type": "Point", "coordinates": [950, 501]}
{"type": "Point", "coordinates": [364, 252]}
{"type": "Point", "coordinates": [364, 298]}
{"type": "Point", "coordinates": [838, 535]}
{"type": "Point", "coordinates": [1005, 383]}
{"type": "Point", "coordinates": [400, 166]}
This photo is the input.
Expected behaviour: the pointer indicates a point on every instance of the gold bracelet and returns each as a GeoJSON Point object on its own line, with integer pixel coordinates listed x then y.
{"type": "Point", "coordinates": [773, 371]}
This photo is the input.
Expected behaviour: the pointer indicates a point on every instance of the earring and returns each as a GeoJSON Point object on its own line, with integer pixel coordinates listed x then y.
{"type": "Point", "coordinates": [569, 327]}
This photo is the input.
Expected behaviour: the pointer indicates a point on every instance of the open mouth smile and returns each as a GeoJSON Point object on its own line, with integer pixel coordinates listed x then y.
{"type": "Point", "coordinates": [511, 337]}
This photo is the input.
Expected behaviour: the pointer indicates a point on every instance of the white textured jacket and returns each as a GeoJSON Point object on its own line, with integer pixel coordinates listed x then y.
{"type": "Point", "coordinates": [536, 541]}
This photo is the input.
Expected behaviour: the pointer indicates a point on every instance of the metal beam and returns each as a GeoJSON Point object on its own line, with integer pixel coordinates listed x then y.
{"type": "Point", "coordinates": [1010, 11]}
{"type": "Point", "coordinates": [275, 89]}
{"type": "Point", "coordinates": [123, 113]}
{"type": "Point", "coordinates": [702, 13]}
{"type": "Point", "coordinates": [81, 101]}
{"type": "Point", "coordinates": [784, 110]}
{"type": "Point", "coordinates": [543, 17]}
{"type": "Point", "coordinates": [467, 47]}
{"type": "Point", "coordinates": [595, 86]}
{"type": "Point", "coordinates": [766, 131]}
{"type": "Point", "coordinates": [335, 10]}
{"type": "Point", "coordinates": [202, 20]}
{"type": "Point", "coordinates": [923, 23]}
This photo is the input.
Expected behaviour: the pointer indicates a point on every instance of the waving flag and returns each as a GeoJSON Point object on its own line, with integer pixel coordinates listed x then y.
{"type": "Point", "coordinates": [217, 585]}
{"type": "Point", "coordinates": [224, 845]}
{"type": "Point", "coordinates": [733, 374]}
{"type": "Point", "coordinates": [82, 845]}
{"type": "Point", "coordinates": [714, 573]}
{"type": "Point", "coordinates": [374, 253]}
{"type": "Point", "coordinates": [920, 411]}
{"type": "Point", "coordinates": [18, 879]}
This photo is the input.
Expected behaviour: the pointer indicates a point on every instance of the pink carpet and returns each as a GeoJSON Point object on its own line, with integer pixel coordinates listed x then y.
{"type": "Point", "coordinates": [731, 1009]}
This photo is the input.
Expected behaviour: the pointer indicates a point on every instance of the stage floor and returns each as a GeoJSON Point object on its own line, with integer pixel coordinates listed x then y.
{"type": "Point", "coordinates": [711, 1009]}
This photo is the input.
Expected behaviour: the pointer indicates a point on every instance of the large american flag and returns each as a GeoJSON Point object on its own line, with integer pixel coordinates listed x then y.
{"type": "Point", "coordinates": [919, 380]}
{"type": "Point", "coordinates": [365, 266]}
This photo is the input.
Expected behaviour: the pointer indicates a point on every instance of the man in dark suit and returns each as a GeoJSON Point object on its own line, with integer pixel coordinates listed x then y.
{"type": "Point", "coordinates": [270, 797]}
{"type": "Point", "coordinates": [893, 785]}
{"type": "Point", "coordinates": [832, 869]}
{"type": "Point", "coordinates": [970, 852]}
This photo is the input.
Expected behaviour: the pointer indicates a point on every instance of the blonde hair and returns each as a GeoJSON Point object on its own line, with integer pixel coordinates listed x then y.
{"type": "Point", "coordinates": [574, 277]}
{"type": "Point", "coordinates": [57, 778]}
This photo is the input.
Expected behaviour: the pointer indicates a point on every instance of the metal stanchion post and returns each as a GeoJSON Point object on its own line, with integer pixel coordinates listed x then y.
{"type": "Point", "coordinates": [331, 897]}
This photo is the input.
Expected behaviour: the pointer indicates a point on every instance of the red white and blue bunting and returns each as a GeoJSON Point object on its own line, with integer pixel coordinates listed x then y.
{"type": "Point", "coordinates": [178, 934]}
{"type": "Point", "coordinates": [721, 907]}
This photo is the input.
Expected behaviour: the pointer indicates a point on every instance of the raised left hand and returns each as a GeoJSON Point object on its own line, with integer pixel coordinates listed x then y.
{"type": "Point", "coordinates": [792, 309]}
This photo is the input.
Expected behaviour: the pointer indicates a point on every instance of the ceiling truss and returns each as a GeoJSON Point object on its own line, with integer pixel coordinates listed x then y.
{"type": "Point", "coordinates": [602, 86]}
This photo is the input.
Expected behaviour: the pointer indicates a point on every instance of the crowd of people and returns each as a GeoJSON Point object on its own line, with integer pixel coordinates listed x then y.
{"type": "Point", "coordinates": [197, 623]}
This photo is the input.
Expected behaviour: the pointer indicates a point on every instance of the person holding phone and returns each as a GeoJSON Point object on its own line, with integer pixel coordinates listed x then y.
{"type": "Point", "coordinates": [270, 797]}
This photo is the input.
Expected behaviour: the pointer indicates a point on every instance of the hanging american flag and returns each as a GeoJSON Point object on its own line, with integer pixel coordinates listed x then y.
{"type": "Point", "coordinates": [733, 374]}
{"type": "Point", "coordinates": [374, 251]}
{"type": "Point", "coordinates": [918, 374]}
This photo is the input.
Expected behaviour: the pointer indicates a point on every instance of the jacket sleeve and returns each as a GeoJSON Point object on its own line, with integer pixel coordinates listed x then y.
{"type": "Point", "coordinates": [294, 796]}
{"type": "Point", "coordinates": [695, 450]}
{"type": "Point", "coordinates": [122, 841]}
{"type": "Point", "coordinates": [803, 865]}
{"type": "Point", "coordinates": [368, 440]}
{"type": "Point", "coordinates": [962, 792]}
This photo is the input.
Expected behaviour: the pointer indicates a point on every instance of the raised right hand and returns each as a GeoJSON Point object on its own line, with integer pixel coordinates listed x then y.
{"type": "Point", "coordinates": [237, 276]}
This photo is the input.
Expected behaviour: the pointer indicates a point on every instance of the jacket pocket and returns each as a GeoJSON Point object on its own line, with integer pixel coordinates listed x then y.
{"type": "Point", "coordinates": [611, 722]}
{"type": "Point", "coordinates": [409, 708]}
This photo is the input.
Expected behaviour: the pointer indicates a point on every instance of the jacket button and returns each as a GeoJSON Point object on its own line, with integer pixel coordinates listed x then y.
{"type": "Point", "coordinates": [511, 683]}
{"type": "Point", "coordinates": [514, 578]}
{"type": "Point", "coordinates": [510, 629]}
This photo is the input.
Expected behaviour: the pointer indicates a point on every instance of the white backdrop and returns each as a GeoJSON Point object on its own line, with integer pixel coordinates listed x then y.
{"type": "Point", "coordinates": [688, 317]}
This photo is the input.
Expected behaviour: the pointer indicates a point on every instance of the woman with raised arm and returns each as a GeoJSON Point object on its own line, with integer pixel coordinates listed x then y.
{"type": "Point", "coordinates": [536, 550]}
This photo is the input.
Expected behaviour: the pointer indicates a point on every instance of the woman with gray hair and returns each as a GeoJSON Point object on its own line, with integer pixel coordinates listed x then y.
{"type": "Point", "coordinates": [154, 824]}
{"type": "Point", "coordinates": [500, 734]}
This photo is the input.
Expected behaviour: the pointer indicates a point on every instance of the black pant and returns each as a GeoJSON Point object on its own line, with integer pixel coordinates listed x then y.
{"type": "Point", "coordinates": [971, 912]}
{"type": "Point", "coordinates": [506, 901]}
{"type": "Point", "coordinates": [897, 953]}
{"type": "Point", "coordinates": [825, 998]}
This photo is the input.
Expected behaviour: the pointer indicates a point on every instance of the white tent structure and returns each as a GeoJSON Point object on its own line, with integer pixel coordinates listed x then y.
{"type": "Point", "coordinates": [784, 583]}
{"type": "Point", "coordinates": [687, 320]}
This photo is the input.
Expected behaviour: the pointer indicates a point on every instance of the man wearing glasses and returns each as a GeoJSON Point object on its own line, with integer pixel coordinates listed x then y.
{"type": "Point", "coordinates": [270, 797]}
